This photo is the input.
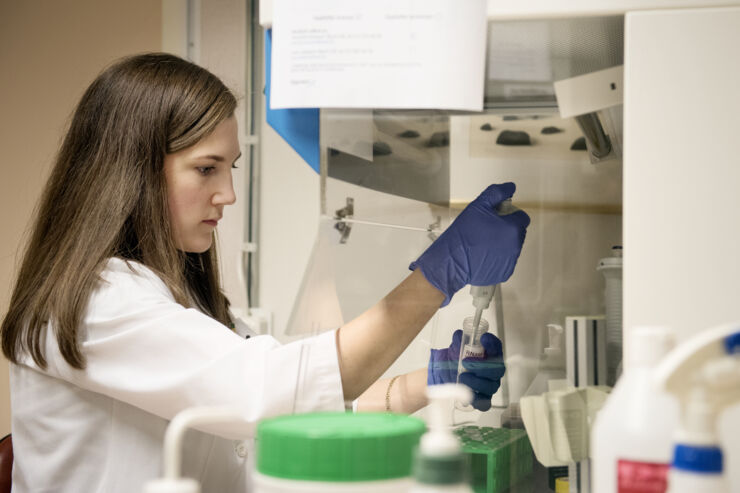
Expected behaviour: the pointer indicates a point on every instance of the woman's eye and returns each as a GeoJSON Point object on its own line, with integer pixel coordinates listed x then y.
{"type": "Point", "coordinates": [205, 170]}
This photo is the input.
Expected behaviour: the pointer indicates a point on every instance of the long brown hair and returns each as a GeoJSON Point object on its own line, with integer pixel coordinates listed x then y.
{"type": "Point", "coordinates": [107, 197]}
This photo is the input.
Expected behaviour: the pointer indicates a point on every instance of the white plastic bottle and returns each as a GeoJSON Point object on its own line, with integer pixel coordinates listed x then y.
{"type": "Point", "coordinates": [439, 463]}
{"type": "Point", "coordinates": [631, 439]}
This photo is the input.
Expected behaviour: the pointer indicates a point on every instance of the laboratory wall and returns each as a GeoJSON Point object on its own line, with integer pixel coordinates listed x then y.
{"type": "Point", "coordinates": [49, 53]}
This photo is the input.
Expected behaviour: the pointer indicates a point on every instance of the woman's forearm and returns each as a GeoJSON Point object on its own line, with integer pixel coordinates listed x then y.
{"type": "Point", "coordinates": [370, 343]}
{"type": "Point", "coordinates": [406, 395]}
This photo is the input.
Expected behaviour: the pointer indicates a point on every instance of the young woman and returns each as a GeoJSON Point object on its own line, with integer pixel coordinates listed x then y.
{"type": "Point", "coordinates": [117, 321]}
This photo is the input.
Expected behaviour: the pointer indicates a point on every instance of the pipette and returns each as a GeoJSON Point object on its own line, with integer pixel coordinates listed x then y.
{"type": "Point", "coordinates": [482, 295]}
{"type": "Point", "coordinates": [470, 346]}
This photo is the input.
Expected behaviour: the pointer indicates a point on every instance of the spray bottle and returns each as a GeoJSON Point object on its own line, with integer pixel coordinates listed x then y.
{"type": "Point", "coordinates": [470, 346]}
{"type": "Point", "coordinates": [440, 465]}
{"type": "Point", "coordinates": [704, 374]}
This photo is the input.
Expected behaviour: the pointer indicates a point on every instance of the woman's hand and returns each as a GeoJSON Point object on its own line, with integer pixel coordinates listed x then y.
{"type": "Point", "coordinates": [482, 375]}
{"type": "Point", "coordinates": [480, 247]}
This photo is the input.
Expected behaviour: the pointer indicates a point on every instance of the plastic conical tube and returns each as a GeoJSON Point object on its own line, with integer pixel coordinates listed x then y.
{"type": "Point", "coordinates": [470, 347]}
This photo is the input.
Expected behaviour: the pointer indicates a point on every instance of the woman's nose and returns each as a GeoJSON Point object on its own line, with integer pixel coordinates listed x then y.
{"type": "Point", "coordinates": [225, 194]}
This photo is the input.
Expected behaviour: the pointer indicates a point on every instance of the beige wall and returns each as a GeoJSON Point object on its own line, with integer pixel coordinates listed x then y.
{"type": "Point", "coordinates": [49, 52]}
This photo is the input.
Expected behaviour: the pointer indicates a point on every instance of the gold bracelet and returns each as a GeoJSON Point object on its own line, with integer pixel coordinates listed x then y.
{"type": "Point", "coordinates": [388, 394]}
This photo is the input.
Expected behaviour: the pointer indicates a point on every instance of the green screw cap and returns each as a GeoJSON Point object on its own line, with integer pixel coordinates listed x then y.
{"type": "Point", "coordinates": [338, 446]}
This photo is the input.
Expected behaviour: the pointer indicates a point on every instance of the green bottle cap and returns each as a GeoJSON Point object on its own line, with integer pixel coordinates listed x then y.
{"type": "Point", "coordinates": [338, 446]}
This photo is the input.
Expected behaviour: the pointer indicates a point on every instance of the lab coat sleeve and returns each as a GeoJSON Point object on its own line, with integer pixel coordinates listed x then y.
{"type": "Point", "coordinates": [144, 349]}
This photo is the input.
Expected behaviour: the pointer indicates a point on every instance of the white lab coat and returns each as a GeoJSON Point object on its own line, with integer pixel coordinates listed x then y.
{"type": "Point", "coordinates": [101, 429]}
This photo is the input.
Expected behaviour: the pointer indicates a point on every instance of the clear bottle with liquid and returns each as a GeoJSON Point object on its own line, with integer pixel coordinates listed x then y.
{"type": "Point", "coordinates": [470, 347]}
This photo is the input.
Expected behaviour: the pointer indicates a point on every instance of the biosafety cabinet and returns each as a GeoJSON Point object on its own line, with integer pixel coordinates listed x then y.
{"type": "Point", "coordinates": [618, 122]}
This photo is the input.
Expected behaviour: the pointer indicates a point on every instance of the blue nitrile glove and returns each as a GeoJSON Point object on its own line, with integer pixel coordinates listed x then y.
{"type": "Point", "coordinates": [483, 375]}
{"type": "Point", "coordinates": [479, 247]}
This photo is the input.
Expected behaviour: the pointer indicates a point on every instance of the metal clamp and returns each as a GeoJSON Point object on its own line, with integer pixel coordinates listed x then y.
{"type": "Point", "coordinates": [342, 226]}
{"type": "Point", "coordinates": [433, 227]}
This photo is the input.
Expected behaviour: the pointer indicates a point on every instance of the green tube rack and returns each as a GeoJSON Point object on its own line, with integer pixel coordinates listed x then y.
{"type": "Point", "coordinates": [500, 458]}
